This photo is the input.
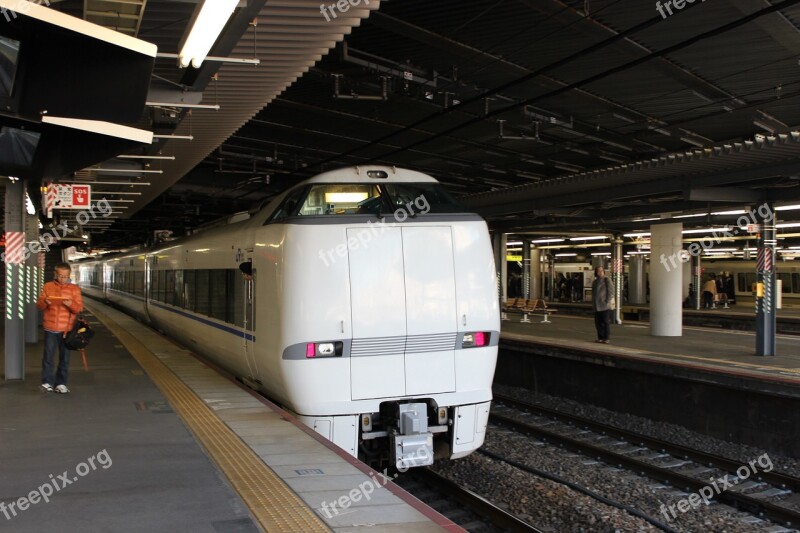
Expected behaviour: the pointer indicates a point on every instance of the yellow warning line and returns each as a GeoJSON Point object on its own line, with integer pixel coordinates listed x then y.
{"type": "Point", "coordinates": [272, 502]}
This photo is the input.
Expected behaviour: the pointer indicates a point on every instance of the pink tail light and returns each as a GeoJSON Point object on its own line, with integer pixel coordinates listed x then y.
{"type": "Point", "coordinates": [480, 339]}
{"type": "Point", "coordinates": [311, 349]}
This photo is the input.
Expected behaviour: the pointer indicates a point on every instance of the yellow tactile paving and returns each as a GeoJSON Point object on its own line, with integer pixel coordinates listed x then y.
{"type": "Point", "coordinates": [274, 505]}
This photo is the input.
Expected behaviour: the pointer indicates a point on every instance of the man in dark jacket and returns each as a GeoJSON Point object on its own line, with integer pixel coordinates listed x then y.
{"type": "Point", "coordinates": [602, 293]}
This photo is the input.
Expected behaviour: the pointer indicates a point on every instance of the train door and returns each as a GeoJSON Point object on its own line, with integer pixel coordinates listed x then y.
{"type": "Point", "coordinates": [249, 313]}
{"type": "Point", "coordinates": [149, 262]}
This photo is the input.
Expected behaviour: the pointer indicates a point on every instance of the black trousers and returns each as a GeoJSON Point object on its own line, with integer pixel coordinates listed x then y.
{"type": "Point", "coordinates": [602, 321]}
{"type": "Point", "coordinates": [708, 299]}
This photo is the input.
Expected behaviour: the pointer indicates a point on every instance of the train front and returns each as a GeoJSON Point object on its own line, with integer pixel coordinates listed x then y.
{"type": "Point", "coordinates": [389, 319]}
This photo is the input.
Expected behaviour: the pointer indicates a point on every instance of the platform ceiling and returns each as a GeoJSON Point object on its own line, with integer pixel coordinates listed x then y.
{"type": "Point", "coordinates": [546, 116]}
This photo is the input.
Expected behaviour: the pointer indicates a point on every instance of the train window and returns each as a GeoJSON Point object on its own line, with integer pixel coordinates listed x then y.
{"type": "Point", "coordinates": [786, 280]}
{"type": "Point", "coordinates": [289, 206]}
{"type": "Point", "coordinates": [202, 302]}
{"type": "Point", "coordinates": [138, 283]}
{"type": "Point", "coordinates": [422, 198]}
{"type": "Point", "coordinates": [220, 306]}
{"type": "Point", "coordinates": [343, 199]}
{"type": "Point", "coordinates": [169, 287]}
{"type": "Point", "coordinates": [188, 289]}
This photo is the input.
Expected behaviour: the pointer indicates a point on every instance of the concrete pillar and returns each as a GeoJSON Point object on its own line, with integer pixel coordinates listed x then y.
{"type": "Point", "coordinates": [15, 280]}
{"type": "Point", "coordinates": [637, 288]}
{"type": "Point", "coordinates": [687, 278]}
{"type": "Point", "coordinates": [536, 274]}
{"type": "Point", "coordinates": [499, 243]}
{"type": "Point", "coordinates": [551, 269]}
{"type": "Point", "coordinates": [666, 313]}
{"type": "Point", "coordinates": [526, 269]}
{"type": "Point", "coordinates": [618, 275]}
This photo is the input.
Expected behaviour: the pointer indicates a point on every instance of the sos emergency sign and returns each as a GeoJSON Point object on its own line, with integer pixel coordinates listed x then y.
{"type": "Point", "coordinates": [68, 196]}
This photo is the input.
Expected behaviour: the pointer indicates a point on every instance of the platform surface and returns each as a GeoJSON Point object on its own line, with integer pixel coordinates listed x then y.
{"type": "Point", "coordinates": [163, 463]}
{"type": "Point", "coordinates": [711, 349]}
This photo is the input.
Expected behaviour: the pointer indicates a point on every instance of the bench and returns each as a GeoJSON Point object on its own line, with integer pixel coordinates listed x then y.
{"type": "Point", "coordinates": [527, 307]}
{"type": "Point", "coordinates": [630, 312]}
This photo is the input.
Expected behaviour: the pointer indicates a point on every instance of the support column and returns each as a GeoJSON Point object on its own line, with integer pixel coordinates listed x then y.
{"type": "Point", "coordinates": [526, 269]}
{"type": "Point", "coordinates": [697, 277]}
{"type": "Point", "coordinates": [551, 268]}
{"type": "Point", "coordinates": [637, 288]}
{"type": "Point", "coordinates": [32, 288]}
{"type": "Point", "coordinates": [499, 243]}
{"type": "Point", "coordinates": [617, 261]}
{"type": "Point", "coordinates": [535, 274]}
{"type": "Point", "coordinates": [15, 281]}
{"type": "Point", "coordinates": [766, 279]}
{"type": "Point", "coordinates": [666, 313]}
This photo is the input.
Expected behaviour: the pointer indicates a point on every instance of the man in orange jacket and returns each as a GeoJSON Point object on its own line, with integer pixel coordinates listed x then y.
{"type": "Point", "coordinates": [61, 301]}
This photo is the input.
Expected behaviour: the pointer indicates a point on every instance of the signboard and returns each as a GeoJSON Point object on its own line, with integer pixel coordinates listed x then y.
{"type": "Point", "coordinates": [513, 258]}
{"type": "Point", "coordinates": [68, 196]}
{"type": "Point", "coordinates": [753, 228]}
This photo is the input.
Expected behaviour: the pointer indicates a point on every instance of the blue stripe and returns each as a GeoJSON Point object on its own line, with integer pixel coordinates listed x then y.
{"type": "Point", "coordinates": [227, 329]}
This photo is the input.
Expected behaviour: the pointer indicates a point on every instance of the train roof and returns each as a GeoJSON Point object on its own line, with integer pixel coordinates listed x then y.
{"type": "Point", "coordinates": [370, 174]}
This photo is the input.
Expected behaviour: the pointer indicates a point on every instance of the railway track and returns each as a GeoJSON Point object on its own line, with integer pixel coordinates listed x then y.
{"type": "Point", "coordinates": [464, 507]}
{"type": "Point", "coordinates": [765, 494]}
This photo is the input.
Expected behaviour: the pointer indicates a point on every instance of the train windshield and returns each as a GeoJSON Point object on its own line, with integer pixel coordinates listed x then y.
{"type": "Point", "coordinates": [371, 199]}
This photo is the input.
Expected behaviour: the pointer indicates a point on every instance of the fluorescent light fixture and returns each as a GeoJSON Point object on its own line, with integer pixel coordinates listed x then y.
{"type": "Point", "coordinates": [514, 243]}
{"type": "Point", "coordinates": [601, 253]}
{"type": "Point", "coordinates": [787, 208]}
{"type": "Point", "coordinates": [566, 255]}
{"type": "Point", "coordinates": [591, 238]}
{"type": "Point", "coordinates": [345, 197]}
{"type": "Point", "coordinates": [638, 253]}
{"type": "Point", "coordinates": [690, 216]}
{"type": "Point", "coordinates": [692, 142]}
{"type": "Point", "coordinates": [734, 212]}
{"type": "Point", "coordinates": [789, 225]}
{"type": "Point", "coordinates": [721, 250]}
{"type": "Point", "coordinates": [637, 235]}
{"type": "Point", "coordinates": [171, 157]}
{"type": "Point", "coordinates": [705, 230]}
{"type": "Point", "coordinates": [207, 23]}
{"type": "Point", "coordinates": [543, 241]}
{"type": "Point", "coordinates": [645, 219]}
{"type": "Point", "coordinates": [764, 126]}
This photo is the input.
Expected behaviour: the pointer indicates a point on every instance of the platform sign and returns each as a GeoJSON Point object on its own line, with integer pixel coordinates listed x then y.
{"type": "Point", "coordinates": [754, 228]}
{"type": "Point", "coordinates": [513, 257]}
{"type": "Point", "coordinates": [69, 196]}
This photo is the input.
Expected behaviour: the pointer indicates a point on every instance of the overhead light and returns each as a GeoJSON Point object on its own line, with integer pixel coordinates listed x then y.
{"type": "Point", "coordinates": [790, 225]}
{"type": "Point", "coordinates": [345, 197]}
{"type": "Point", "coordinates": [705, 230]}
{"type": "Point", "coordinates": [514, 243]}
{"type": "Point", "coordinates": [543, 241]}
{"type": "Point", "coordinates": [171, 157]}
{"type": "Point", "coordinates": [734, 212]}
{"type": "Point", "coordinates": [764, 126]}
{"type": "Point", "coordinates": [601, 253]}
{"type": "Point", "coordinates": [591, 238]}
{"type": "Point", "coordinates": [787, 207]}
{"type": "Point", "coordinates": [645, 219]}
{"type": "Point", "coordinates": [637, 235]}
{"type": "Point", "coordinates": [207, 23]}
{"type": "Point", "coordinates": [690, 216]}
{"type": "Point", "coordinates": [692, 141]}
{"type": "Point", "coordinates": [566, 255]}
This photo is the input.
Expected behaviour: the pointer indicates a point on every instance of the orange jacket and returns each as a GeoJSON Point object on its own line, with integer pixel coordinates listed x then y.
{"type": "Point", "coordinates": [57, 316]}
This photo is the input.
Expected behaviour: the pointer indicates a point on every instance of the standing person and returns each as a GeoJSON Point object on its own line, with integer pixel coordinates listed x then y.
{"type": "Point", "coordinates": [247, 270]}
{"type": "Point", "coordinates": [710, 291]}
{"type": "Point", "coordinates": [61, 301]}
{"type": "Point", "coordinates": [602, 295]}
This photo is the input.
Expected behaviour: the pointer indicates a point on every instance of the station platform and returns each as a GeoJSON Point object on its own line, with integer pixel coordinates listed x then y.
{"type": "Point", "coordinates": [720, 351]}
{"type": "Point", "coordinates": [151, 438]}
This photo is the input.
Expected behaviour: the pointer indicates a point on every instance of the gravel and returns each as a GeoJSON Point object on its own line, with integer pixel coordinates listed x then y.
{"type": "Point", "coordinates": [551, 506]}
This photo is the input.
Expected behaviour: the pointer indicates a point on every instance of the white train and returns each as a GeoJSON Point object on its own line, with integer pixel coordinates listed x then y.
{"type": "Point", "coordinates": [742, 271]}
{"type": "Point", "coordinates": [372, 314]}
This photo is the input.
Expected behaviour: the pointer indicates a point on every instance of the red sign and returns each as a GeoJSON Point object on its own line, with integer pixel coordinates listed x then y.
{"type": "Point", "coordinates": [80, 196]}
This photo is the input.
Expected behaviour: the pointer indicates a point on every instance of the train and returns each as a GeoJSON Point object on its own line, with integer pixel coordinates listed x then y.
{"type": "Point", "coordinates": [743, 273]}
{"type": "Point", "coordinates": [371, 312]}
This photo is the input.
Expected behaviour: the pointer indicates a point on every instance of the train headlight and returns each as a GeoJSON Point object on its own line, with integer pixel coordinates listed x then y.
{"type": "Point", "coordinates": [473, 340]}
{"type": "Point", "coordinates": [324, 349]}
